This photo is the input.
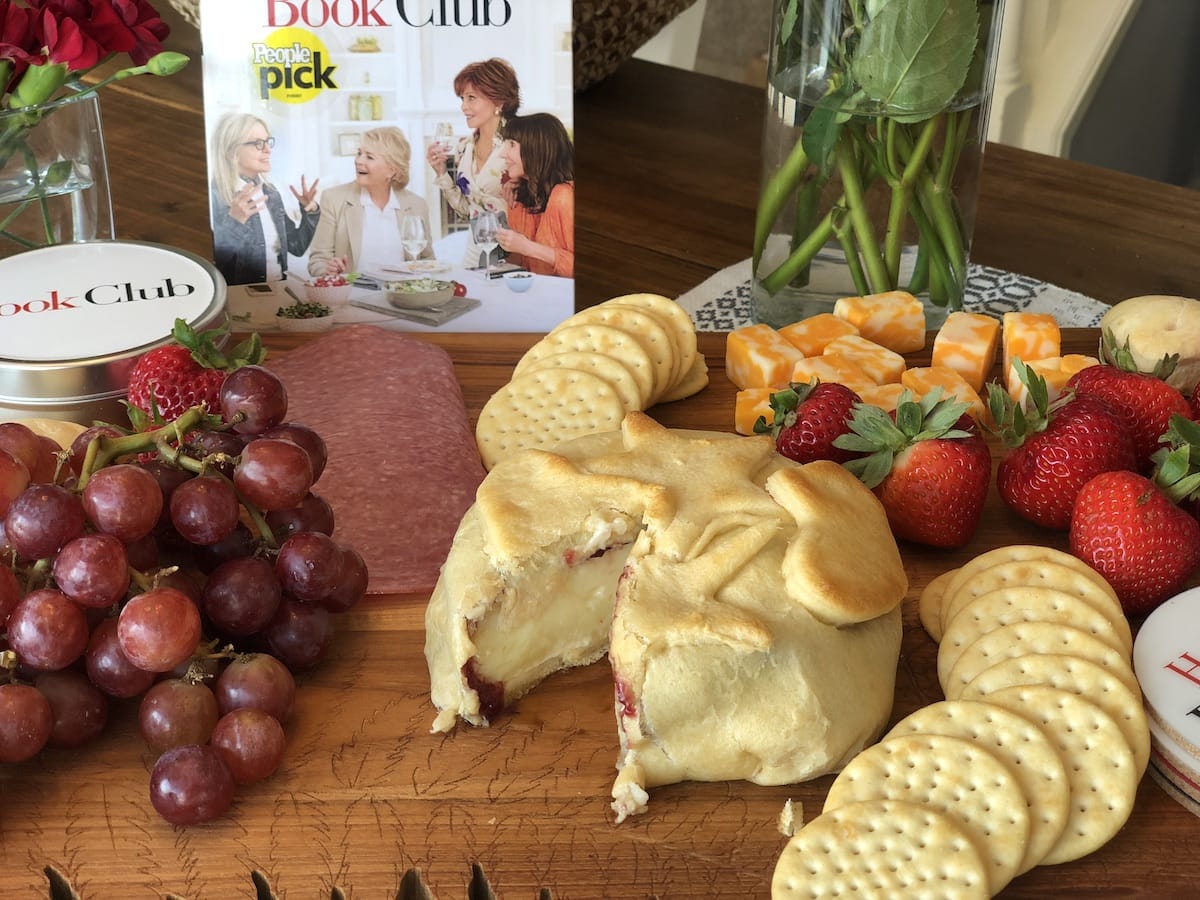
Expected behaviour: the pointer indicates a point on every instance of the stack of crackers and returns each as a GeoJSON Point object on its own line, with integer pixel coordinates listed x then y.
{"type": "Point", "coordinates": [1033, 759]}
{"type": "Point", "coordinates": [625, 354]}
{"type": "Point", "coordinates": [1166, 657]}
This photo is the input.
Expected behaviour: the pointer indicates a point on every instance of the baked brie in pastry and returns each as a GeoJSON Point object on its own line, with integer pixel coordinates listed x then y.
{"type": "Point", "coordinates": [749, 605]}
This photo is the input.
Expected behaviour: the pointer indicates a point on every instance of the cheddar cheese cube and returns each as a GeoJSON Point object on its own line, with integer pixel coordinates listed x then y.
{"type": "Point", "coordinates": [756, 357]}
{"type": "Point", "coordinates": [748, 406]}
{"type": "Point", "coordinates": [967, 343]}
{"type": "Point", "coordinates": [894, 319]}
{"type": "Point", "coordinates": [812, 335]}
{"type": "Point", "coordinates": [832, 367]}
{"type": "Point", "coordinates": [882, 365]}
{"type": "Point", "coordinates": [923, 379]}
{"type": "Point", "coordinates": [885, 396]}
{"type": "Point", "coordinates": [1057, 371]}
{"type": "Point", "coordinates": [1028, 336]}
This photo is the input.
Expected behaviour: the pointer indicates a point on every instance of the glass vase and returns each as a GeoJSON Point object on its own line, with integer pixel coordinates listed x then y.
{"type": "Point", "coordinates": [53, 175]}
{"type": "Point", "coordinates": [872, 146]}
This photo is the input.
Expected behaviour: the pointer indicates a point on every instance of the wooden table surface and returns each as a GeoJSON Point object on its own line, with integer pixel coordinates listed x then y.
{"type": "Point", "coordinates": [668, 166]}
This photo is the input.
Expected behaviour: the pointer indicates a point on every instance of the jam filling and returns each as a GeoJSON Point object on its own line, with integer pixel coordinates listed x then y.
{"type": "Point", "coordinates": [491, 693]}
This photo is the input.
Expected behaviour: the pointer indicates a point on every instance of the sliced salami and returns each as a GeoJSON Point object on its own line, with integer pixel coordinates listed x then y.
{"type": "Point", "coordinates": [403, 466]}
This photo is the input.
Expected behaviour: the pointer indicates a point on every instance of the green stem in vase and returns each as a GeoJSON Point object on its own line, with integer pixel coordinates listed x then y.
{"type": "Point", "coordinates": [39, 190]}
{"type": "Point", "coordinates": [902, 193]}
{"type": "Point", "coordinates": [800, 258]}
{"type": "Point", "coordinates": [781, 185]}
{"type": "Point", "coordinates": [936, 264]}
{"type": "Point", "coordinates": [860, 219]}
{"type": "Point", "coordinates": [845, 237]}
{"type": "Point", "coordinates": [918, 282]}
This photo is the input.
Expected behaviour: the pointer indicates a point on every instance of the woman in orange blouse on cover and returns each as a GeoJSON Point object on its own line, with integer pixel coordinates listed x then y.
{"type": "Point", "coordinates": [540, 162]}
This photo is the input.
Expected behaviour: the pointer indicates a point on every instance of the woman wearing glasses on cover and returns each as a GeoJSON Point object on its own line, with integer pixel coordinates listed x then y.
{"type": "Point", "coordinates": [252, 232]}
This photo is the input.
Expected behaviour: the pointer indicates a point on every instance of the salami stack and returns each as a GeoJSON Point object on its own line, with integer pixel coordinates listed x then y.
{"type": "Point", "coordinates": [403, 466]}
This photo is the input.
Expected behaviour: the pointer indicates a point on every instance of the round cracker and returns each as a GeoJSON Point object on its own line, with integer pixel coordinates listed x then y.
{"type": "Point", "coordinates": [1070, 673]}
{"type": "Point", "coordinates": [543, 408]}
{"type": "Point", "coordinates": [603, 339]}
{"type": "Point", "coordinates": [694, 380]}
{"type": "Point", "coordinates": [1051, 573]}
{"type": "Point", "coordinates": [1007, 605]}
{"type": "Point", "coordinates": [929, 604]}
{"type": "Point", "coordinates": [959, 778]}
{"type": "Point", "coordinates": [1016, 553]}
{"type": "Point", "coordinates": [647, 330]}
{"type": "Point", "coordinates": [900, 849]}
{"type": "Point", "coordinates": [1025, 638]}
{"type": "Point", "coordinates": [1019, 743]}
{"type": "Point", "coordinates": [1099, 764]}
{"type": "Point", "coordinates": [609, 368]}
{"type": "Point", "coordinates": [676, 317]}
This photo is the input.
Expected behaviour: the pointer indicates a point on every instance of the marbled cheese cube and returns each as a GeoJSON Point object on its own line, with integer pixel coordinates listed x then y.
{"type": "Point", "coordinates": [923, 379]}
{"type": "Point", "coordinates": [883, 366]}
{"type": "Point", "coordinates": [1028, 336]}
{"type": "Point", "coordinates": [894, 319]}
{"type": "Point", "coordinates": [756, 356]}
{"type": "Point", "coordinates": [967, 343]}
{"type": "Point", "coordinates": [749, 405]}
{"type": "Point", "coordinates": [812, 335]}
{"type": "Point", "coordinates": [885, 396]}
{"type": "Point", "coordinates": [832, 367]}
{"type": "Point", "coordinates": [1057, 371]}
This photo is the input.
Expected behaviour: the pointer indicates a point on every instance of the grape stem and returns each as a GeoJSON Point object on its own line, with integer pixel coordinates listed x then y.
{"type": "Point", "coordinates": [104, 449]}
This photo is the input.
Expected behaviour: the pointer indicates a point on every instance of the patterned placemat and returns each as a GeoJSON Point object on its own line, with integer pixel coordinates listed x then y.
{"type": "Point", "coordinates": [722, 302]}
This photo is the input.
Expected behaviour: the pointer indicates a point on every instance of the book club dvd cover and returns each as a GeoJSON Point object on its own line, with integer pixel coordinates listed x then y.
{"type": "Point", "coordinates": [407, 163]}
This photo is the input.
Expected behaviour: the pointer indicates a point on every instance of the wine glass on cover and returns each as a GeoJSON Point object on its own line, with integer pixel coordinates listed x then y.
{"type": "Point", "coordinates": [443, 134]}
{"type": "Point", "coordinates": [483, 232]}
{"type": "Point", "coordinates": [413, 235]}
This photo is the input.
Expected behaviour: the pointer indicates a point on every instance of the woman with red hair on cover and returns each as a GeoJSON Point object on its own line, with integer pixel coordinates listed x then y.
{"type": "Point", "coordinates": [489, 94]}
{"type": "Point", "coordinates": [540, 163]}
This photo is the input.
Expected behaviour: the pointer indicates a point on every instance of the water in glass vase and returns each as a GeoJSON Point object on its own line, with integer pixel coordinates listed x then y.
{"type": "Point", "coordinates": [53, 210]}
{"type": "Point", "coordinates": [818, 245]}
{"type": "Point", "coordinates": [872, 144]}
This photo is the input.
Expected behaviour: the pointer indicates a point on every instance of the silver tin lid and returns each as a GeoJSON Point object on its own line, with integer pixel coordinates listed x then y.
{"type": "Point", "coordinates": [74, 318]}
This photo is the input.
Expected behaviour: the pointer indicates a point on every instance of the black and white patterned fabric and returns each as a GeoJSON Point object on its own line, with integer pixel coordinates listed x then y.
{"type": "Point", "coordinates": [723, 302]}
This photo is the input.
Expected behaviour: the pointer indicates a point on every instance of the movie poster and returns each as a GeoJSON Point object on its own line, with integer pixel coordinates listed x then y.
{"type": "Point", "coordinates": [408, 163]}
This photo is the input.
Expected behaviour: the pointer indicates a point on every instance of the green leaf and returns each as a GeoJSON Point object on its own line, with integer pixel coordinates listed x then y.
{"type": "Point", "coordinates": [914, 56]}
{"type": "Point", "coordinates": [824, 126]}
{"type": "Point", "coordinates": [58, 172]}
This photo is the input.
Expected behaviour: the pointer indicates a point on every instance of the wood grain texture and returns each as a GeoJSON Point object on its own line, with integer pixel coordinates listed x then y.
{"type": "Point", "coordinates": [367, 792]}
{"type": "Point", "coordinates": [668, 172]}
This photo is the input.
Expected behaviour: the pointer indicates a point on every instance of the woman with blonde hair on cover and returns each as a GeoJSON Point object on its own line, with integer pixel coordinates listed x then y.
{"type": "Point", "coordinates": [489, 94]}
{"type": "Point", "coordinates": [540, 161]}
{"type": "Point", "coordinates": [252, 232]}
{"type": "Point", "coordinates": [360, 228]}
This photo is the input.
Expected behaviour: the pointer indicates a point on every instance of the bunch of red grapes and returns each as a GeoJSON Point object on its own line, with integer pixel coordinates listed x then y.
{"type": "Point", "coordinates": [192, 567]}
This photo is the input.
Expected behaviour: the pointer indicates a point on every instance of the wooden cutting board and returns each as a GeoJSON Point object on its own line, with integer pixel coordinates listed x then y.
{"type": "Point", "coordinates": [367, 792]}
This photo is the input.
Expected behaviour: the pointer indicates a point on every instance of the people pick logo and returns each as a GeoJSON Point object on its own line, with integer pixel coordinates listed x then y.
{"type": "Point", "coordinates": [292, 66]}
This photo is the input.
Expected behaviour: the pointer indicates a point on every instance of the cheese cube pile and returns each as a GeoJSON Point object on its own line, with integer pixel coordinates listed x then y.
{"type": "Point", "coordinates": [861, 345]}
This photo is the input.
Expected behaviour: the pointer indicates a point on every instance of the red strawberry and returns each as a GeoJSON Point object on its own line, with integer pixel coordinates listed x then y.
{"type": "Point", "coordinates": [1143, 402]}
{"type": "Point", "coordinates": [807, 419]}
{"type": "Point", "coordinates": [929, 466]}
{"type": "Point", "coordinates": [1133, 534]}
{"type": "Point", "coordinates": [1194, 404]}
{"type": "Point", "coordinates": [1053, 449]}
{"type": "Point", "coordinates": [167, 381]}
